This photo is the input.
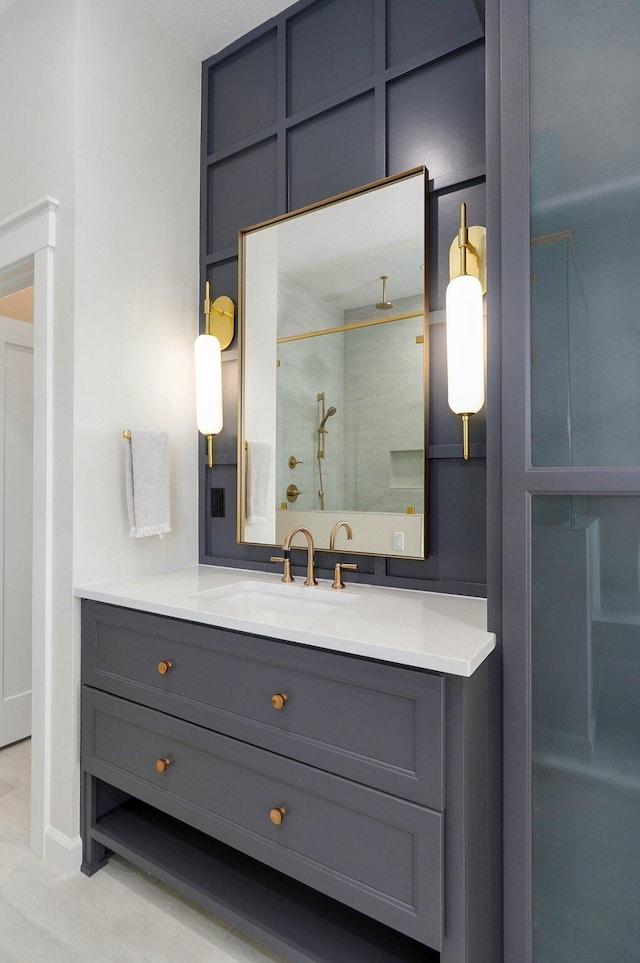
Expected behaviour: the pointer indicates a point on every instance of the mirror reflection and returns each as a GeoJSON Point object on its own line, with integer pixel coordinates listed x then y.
{"type": "Point", "coordinates": [333, 371]}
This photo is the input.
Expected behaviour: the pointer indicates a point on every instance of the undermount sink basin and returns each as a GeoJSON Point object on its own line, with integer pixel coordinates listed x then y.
{"type": "Point", "coordinates": [253, 599]}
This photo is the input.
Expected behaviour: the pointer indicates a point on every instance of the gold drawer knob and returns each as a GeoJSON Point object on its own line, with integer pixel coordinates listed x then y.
{"type": "Point", "coordinates": [162, 764]}
{"type": "Point", "coordinates": [279, 700]}
{"type": "Point", "coordinates": [277, 815]}
{"type": "Point", "coordinates": [165, 666]}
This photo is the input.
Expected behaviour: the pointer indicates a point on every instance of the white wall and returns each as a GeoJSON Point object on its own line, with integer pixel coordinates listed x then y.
{"type": "Point", "coordinates": [137, 301]}
{"type": "Point", "coordinates": [100, 109]}
{"type": "Point", "coordinates": [37, 106]}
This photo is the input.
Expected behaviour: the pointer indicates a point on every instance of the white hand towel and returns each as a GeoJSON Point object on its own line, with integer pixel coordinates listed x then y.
{"type": "Point", "coordinates": [147, 483]}
{"type": "Point", "coordinates": [258, 465]}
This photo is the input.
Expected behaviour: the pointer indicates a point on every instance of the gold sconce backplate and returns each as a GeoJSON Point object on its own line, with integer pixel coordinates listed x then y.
{"type": "Point", "coordinates": [221, 320]}
{"type": "Point", "coordinates": [476, 266]}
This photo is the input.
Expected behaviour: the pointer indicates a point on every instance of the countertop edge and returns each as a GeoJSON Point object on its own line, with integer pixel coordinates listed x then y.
{"type": "Point", "coordinates": [345, 646]}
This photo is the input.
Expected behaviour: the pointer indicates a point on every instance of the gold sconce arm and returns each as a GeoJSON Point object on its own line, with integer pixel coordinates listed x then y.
{"type": "Point", "coordinates": [219, 317]}
{"type": "Point", "coordinates": [469, 241]}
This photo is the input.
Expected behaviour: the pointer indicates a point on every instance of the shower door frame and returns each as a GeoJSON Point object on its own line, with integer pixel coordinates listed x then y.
{"type": "Point", "coordinates": [509, 591]}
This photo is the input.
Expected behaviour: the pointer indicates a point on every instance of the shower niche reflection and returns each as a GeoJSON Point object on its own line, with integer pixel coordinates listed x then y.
{"type": "Point", "coordinates": [335, 370]}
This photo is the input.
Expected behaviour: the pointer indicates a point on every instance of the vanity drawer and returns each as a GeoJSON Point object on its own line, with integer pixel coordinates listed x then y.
{"type": "Point", "coordinates": [378, 854]}
{"type": "Point", "coordinates": [375, 723]}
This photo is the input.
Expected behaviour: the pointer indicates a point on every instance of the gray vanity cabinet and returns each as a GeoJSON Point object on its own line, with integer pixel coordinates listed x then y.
{"type": "Point", "coordinates": [302, 794]}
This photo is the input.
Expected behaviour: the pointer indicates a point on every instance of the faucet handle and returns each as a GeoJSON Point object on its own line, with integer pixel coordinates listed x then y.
{"type": "Point", "coordinates": [337, 573]}
{"type": "Point", "coordinates": [287, 576]}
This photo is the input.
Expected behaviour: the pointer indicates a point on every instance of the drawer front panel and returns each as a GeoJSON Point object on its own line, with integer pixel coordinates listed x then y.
{"type": "Point", "coordinates": [381, 855]}
{"type": "Point", "coordinates": [379, 724]}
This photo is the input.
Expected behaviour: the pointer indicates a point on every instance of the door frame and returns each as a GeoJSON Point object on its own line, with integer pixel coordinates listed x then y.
{"type": "Point", "coordinates": [509, 450]}
{"type": "Point", "coordinates": [29, 236]}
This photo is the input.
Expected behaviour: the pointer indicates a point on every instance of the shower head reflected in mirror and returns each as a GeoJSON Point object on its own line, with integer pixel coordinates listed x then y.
{"type": "Point", "coordinates": [384, 305]}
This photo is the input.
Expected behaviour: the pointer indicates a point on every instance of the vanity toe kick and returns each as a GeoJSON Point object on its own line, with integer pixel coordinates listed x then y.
{"type": "Point", "coordinates": [376, 853]}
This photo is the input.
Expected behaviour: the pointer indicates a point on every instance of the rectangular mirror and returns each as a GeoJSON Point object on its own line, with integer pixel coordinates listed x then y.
{"type": "Point", "coordinates": [335, 371]}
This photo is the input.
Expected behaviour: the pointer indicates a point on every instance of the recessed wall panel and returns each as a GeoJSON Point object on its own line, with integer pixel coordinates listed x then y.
{"type": "Point", "coordinates": [462, 509]}
{"type": "Point", "coordinates": [243, 93]}
{"type": "Point", "coordinates": [332, 153]}
{"type": "Point", "coordinates": [411, 32]}
{"type": "Point", "coordinates": [436, 116]}
{"type": "Point", "coordinates": [220, 533]}
{"type": "Point", "coordinates": [458, 525]}
{"type": "Point", "coordinates": [331, 47]}
{"type": "Point", "coordinates": [241, 192]}
{"type": "Point", "coordinates": [457, 534]}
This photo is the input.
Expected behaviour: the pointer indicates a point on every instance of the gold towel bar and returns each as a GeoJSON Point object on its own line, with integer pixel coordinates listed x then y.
{"type": "Point", "coordinates": [126, 433]}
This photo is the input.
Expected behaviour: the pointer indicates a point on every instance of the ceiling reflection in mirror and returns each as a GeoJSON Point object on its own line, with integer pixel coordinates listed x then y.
{"type": "Point", "coordinates": [334, 356]}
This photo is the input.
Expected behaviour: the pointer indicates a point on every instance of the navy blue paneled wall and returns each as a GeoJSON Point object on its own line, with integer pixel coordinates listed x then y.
{"type": "Point", "coordinates": [326, 97]}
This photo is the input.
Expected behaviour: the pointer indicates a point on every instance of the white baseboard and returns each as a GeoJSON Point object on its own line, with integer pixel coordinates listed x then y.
{"type": "Point", "coordinates": [62, 853]}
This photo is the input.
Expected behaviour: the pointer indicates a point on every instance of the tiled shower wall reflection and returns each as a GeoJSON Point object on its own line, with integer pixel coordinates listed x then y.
{"type": "Point", "coordinates": [384, 397]}
{"type": "Point", "coordinates": [374, 446]}
{"type": "Point", "coordinates": [308, 367]}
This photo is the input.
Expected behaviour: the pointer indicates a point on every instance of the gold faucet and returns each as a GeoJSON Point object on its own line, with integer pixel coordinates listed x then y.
{"type": "Point", "coordinates": [338, 582]}
{"type": "Point", "coordinates": [334, 531]}
{"type": "Point", "coordinates": [286, 547]}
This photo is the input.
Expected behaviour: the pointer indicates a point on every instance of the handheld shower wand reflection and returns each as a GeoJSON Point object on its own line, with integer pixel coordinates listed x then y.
{"type": "Point", "coordinates": [330, 411]}
{"type": "Point", "coordinates": [322, 431]}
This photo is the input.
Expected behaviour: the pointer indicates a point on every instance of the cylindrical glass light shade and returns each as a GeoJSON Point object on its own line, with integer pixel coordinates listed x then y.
{"type": "Point", "coordinates": [465, 345]}
{"type": "Point", "coordinates": [208, 385]}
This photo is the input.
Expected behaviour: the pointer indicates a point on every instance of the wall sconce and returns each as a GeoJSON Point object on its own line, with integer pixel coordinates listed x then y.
{"type": "Point", "coordinates": [218, 335]}
{"type": "Point", "coordinates": [465, 326]}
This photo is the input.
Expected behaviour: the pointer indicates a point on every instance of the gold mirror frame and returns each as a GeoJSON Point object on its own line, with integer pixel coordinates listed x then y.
{"type": "Point", "coordinates": [419, 172]}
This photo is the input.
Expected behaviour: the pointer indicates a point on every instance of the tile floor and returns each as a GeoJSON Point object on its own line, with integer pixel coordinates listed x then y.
{"type": "Point", "coordinates": [118, 916]}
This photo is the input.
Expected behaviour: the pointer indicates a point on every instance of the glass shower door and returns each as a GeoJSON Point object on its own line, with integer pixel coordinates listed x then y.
{"type": "Point", "coordinates": [586, 730]}
{"type": "Point", "coordinates": [584, 540]}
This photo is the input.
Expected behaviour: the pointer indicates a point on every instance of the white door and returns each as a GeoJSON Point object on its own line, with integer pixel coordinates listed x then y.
{"type": "Point", "coordinates": [16, 527]}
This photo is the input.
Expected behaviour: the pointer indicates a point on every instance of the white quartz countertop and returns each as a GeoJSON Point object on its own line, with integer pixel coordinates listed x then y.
{"type": "Point", "coordinates": [445, 633]}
